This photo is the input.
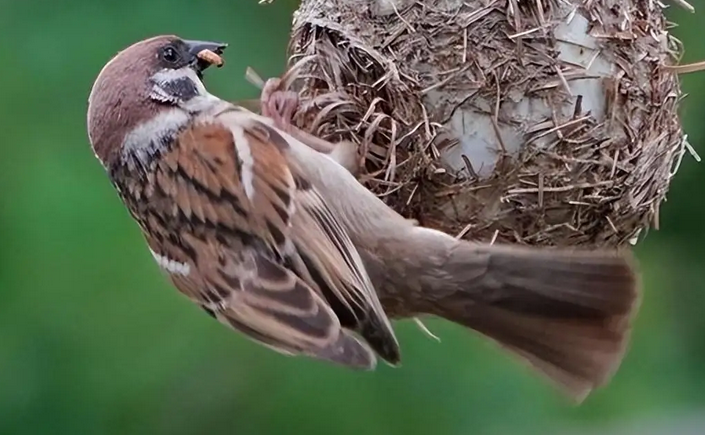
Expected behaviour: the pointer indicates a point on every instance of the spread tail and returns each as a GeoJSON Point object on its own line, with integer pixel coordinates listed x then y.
{"type": "Point", "coordinates": [568, 314]}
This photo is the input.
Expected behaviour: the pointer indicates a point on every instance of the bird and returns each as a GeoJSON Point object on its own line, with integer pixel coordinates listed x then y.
{"type": "Point", "coordinates": [277, 239]}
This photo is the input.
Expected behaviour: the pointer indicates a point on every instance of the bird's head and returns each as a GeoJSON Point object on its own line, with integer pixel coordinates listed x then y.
{"type": "Point", "coordinates": [144, 81]}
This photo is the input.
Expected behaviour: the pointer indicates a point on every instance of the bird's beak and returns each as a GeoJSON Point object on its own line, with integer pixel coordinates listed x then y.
{"type": "Point", "coordinates": [205, 54]}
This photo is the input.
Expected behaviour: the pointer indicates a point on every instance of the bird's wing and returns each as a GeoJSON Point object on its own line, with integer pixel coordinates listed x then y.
{"type": "Point", "coordinates": [229, 241]}
{"type": "Point", "coordinates": [323, 252]}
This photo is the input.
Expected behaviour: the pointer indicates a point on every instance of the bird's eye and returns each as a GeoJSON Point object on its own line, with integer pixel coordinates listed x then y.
{"type": "Point", "coordinates": [170, 55]}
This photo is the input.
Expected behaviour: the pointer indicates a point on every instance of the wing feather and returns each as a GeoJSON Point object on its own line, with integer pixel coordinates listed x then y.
{"type": "Point", "coordinates": [315, 229]}
{"type": "Point", "coordinates": [267, 256]}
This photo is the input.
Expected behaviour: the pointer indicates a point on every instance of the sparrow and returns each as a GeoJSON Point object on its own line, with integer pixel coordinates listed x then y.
{"type": "Point", "coordinates": [270, 232]}
{"type": "Point", "coordinates": [238, 229]}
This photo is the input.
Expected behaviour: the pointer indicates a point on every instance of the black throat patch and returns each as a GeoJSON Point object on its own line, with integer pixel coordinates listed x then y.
{"type": "Point", "coordinates": [177, 90]}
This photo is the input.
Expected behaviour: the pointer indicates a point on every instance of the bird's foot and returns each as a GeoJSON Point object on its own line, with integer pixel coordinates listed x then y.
{"type": "Point", "coordinates": [279, 105]}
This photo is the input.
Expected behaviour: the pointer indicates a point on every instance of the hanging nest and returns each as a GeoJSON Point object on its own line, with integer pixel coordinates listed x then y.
{"type": "Point", "coordinates": [545, 122]}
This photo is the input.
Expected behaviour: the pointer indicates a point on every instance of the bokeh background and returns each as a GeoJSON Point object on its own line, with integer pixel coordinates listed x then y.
{"type": "Point", "coordinates": [94, 341]}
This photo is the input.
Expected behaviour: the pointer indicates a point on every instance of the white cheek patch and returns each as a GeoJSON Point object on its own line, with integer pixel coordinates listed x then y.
{"type": "Point", "coordinates": [167, 80]}
{"type": "Point", "coordinates": [171, 266]}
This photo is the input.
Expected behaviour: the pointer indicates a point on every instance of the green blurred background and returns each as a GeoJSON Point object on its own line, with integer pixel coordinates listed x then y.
{"type": "Point", "coordinates": [94, 341]}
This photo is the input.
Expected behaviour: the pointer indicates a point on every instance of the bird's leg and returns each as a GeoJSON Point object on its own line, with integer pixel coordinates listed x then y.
{"type": "Point", "coordinates": [280, 106]}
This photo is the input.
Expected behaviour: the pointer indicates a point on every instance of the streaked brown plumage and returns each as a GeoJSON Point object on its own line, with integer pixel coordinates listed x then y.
{"type": "Point", "coordinates": [279, 241]}
{"type": "Point", "coordinates": [264, 254]}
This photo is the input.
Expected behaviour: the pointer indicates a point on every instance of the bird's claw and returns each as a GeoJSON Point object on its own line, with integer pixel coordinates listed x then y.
{"type": "Point", "coordinates": [279, 105]}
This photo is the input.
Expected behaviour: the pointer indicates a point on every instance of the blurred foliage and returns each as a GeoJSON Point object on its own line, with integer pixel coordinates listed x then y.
{"type": "Point", "coordinates": [94, 341]}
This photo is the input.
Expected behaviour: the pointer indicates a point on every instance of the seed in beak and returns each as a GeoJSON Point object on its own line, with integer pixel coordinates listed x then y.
{"type": "Point", "coordinates": [211, 57]}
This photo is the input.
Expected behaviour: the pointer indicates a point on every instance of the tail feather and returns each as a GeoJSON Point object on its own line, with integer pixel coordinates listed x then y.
{"type": "Point", "coordinates": [567, 313]}
{"type": "Point", "coordinates": [561, 283]}
{"type": "Point", "coordinates": [578, 357]}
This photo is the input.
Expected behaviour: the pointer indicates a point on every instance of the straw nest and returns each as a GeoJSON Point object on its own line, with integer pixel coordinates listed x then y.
{"type": "Point", "coordinates": [545, 122]}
